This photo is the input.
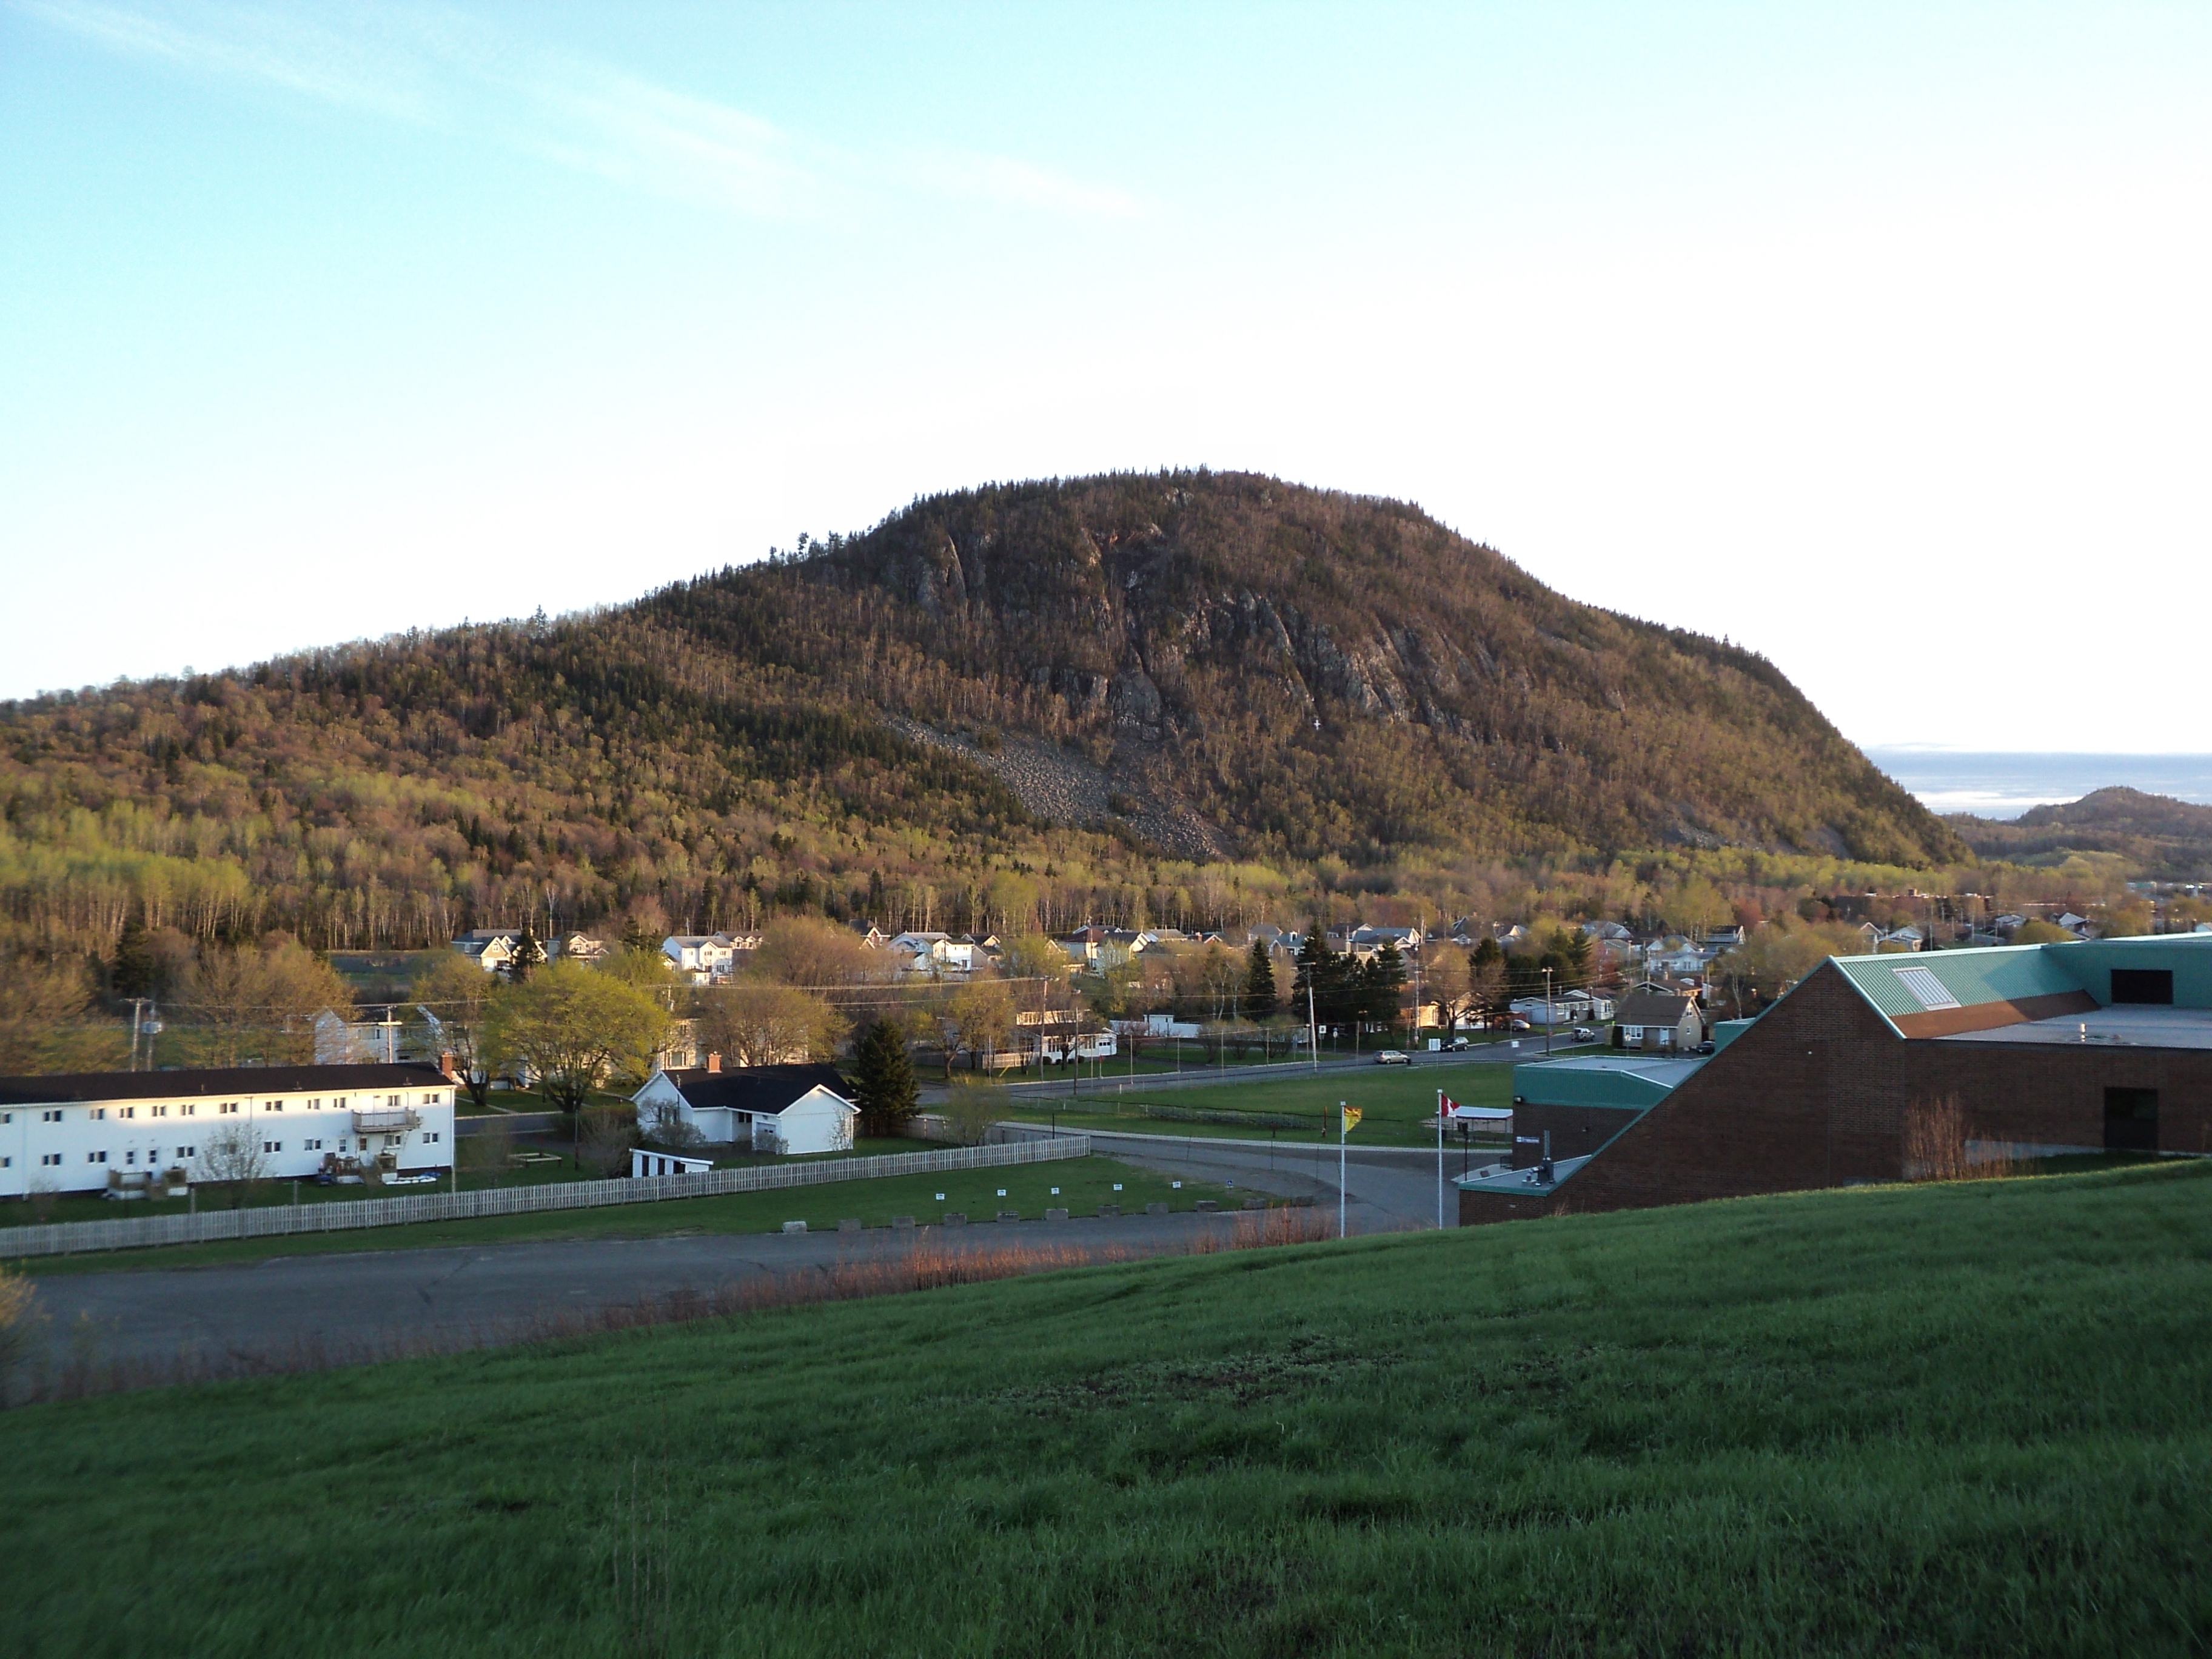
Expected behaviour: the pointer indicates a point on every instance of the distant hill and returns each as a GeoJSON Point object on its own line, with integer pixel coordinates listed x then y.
{"type": "Point", "coordinates": [1034, 680]}
{"type": "Point", "coordinates": [2168, 839]}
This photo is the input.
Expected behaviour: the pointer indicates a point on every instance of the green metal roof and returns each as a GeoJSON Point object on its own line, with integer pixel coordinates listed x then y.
{"type": "Point", "coordinates": [1630, 1082]}
{"type": "Point", "coordinates": [1919, 982]}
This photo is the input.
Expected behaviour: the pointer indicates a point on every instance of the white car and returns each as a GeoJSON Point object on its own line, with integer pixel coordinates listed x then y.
{"type": "Point", "coordinates": [1394, 1057]}
{"type": "Point", "coordinates": [1583, 1034]}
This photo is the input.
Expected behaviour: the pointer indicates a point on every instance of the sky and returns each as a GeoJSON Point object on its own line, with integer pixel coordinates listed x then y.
{"type": "Point", "coordinates": [1873, 338]}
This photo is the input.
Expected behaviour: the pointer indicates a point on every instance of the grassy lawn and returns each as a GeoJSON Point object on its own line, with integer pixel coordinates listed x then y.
{"type": "Point", "coordinates": [1398, 1104]}
{"type": "Point", "coordinates": [1083, 1184]}
{"type": "Point", "coordinates": [1954, 1420]}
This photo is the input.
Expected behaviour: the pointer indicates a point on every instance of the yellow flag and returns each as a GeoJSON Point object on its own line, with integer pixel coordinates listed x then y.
{"type": "Point", "coordinates": [1351, 1119]}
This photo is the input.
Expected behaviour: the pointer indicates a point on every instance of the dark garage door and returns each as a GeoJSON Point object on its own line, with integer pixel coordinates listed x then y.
{"type": "Point", "coordinates": [2131, 1120]}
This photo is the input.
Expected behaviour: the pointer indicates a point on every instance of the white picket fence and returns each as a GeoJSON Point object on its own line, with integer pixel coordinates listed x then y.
{"type": "Point", "coordinates": [136, 1232]}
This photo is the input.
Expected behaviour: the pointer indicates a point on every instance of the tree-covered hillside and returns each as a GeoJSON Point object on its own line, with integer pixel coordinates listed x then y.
{"type": "Point", "coordinates": [1202, 697]}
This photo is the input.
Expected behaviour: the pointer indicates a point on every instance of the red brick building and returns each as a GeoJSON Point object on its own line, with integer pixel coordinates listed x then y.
{"type": "Point", "coordinates": [2043, 1048]}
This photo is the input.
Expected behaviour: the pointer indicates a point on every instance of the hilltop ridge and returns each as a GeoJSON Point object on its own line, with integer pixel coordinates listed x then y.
{"type": "Point", "coordinates": [1006, 704]}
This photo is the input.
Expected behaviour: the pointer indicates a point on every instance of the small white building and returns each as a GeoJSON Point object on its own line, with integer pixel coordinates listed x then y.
{"type": "Point", "coordinates": [780, 1109]}
{"type": "Point", "coordinates": [642, 1164]}
{"type": "Point", "coordinates": [130, 1133]}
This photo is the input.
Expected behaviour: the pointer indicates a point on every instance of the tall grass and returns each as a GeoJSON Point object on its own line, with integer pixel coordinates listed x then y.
{"type": "Point", "coordinates": [1939, 1145]}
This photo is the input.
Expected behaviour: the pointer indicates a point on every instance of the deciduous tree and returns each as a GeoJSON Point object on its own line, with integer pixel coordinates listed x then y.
{"type": "Point", "coordinates": [754, 1023]}
{"type": "Point", "coordinates": [574, 1029]}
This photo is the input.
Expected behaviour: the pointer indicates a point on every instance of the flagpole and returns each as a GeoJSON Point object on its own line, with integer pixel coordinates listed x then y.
{"type": "Point", "coordinates": [1440, 1160]}
{"type": "Point", "coordinates": [1343, 1132]}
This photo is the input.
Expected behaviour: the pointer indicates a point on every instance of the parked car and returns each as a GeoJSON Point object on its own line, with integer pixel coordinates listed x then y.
{"type": "Point", "coordinates": [1394, 1057]}
{"type": "Point", "coordinates": [1458, 1045]}
{"type": "Point", "coordinates": [1706, 1047]}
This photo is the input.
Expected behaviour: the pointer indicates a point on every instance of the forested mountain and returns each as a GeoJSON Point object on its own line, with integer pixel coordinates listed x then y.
{"type": "Point", "coordinates": [2161, 837]}
{"type": "Point", "coordinates": [1009, 706]}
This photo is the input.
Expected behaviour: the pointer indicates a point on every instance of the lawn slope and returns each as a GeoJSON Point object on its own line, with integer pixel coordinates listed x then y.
{"type": "Point", "coordinates": [1955, 1419]}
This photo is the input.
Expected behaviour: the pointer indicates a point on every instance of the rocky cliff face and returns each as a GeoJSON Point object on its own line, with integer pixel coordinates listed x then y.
{"type": "Point", "coordinates": [1312, 672]}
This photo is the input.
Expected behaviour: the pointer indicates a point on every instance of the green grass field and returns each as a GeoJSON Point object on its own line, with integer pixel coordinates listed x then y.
{"type": "Point", "coordinates": [1084, 1183]}
{"type": "Point", "coordinates": [1399, 1103]}
{"type": "Point", "coordinates": [1953, 1419]}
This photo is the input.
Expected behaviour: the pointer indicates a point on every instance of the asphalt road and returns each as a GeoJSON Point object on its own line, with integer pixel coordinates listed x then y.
{"type": "Point", "coordinates": [370, 1305]}
{"type": "Point", "coordinates": [367, 1304]}
{"type": "Point", "coordinates": [1386, 1189]}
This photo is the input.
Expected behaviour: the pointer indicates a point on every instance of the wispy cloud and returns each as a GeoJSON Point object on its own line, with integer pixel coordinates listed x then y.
{"type": "Point", "coordinates": [443, 69]}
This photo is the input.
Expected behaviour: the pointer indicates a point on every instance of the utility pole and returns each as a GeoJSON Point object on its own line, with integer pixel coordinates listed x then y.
{"type": "Point", "coordinates": [1313, 1031]}
{"type": "Point", "coordinates": [1440, 1160]}
{"type": "Point", "coordinates": [1547, 1013]}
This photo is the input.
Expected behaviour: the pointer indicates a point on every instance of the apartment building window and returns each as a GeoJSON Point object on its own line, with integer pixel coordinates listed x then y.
{"type": "Point", "coordinates": [187, 1109]}
{"type": "Point", "coordinates": [395, 1103]}
{"type": "Point", "coordinates": [188, 1151]}
{"type": "Point", "coordinates": [158, 1111]}
{"type": "Point", "coordinates": [430, 1138]}
{"type": "Point", "coordinates": [50, 1160]}
{"type": "Point", "coordinates": [7, 1163]}
{"type": "Point", "coordinates": [128, 1111]}
{"type": "Point", "coordinates": [50, 1117]}
{"type": "Point", "coordinates": [226, 1106]}
{"type": "Point", "coordinates": [272, 1145]}
{"type": "Point", "coordinates": [315, 1105]}
{"type": "Point", "coordinates": [99, 1113]}
{"type": "Point", "coordinates": [7, 1117]}
{"type": "Point", "coordinates": [274, 1106]}
{"type": "Point", "coordinates": [95, 1158]}
{"type": "Point", "coordinates": [311, 1145]}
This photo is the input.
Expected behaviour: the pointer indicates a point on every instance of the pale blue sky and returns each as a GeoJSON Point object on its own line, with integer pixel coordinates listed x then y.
{"type": "Point", "coordinates": [1872, 336]}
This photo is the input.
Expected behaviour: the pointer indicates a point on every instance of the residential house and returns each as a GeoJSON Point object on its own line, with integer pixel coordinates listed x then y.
{"type": "Point", "coordinates": [1564, 1008]}
{"type": "Point", "coordinates": [343, 1042]}
{"type": "Point", "coordinates": [491, 949]}
{"type": "Point", "coordinates": [1651, 1017]}
{"type": "Point", "coordinates": [701, 958]}
{"type": "Point", "coordinates": [779, 1108]}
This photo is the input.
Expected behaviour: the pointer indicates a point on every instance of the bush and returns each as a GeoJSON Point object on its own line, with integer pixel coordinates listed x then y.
{"type": "Point", "coordinates": [605, 1136]}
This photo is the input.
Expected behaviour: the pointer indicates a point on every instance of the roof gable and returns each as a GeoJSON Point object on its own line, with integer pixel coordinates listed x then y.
{"type": "Point", "coordinates": [763, 1090]}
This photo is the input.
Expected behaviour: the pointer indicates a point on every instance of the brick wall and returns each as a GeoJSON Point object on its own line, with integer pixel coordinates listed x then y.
{"type": "Point", "coordinates": [1818, 1092]}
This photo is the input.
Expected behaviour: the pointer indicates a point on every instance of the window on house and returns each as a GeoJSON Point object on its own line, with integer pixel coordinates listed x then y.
{"type": "Point", "coordinates": [50, 1117]}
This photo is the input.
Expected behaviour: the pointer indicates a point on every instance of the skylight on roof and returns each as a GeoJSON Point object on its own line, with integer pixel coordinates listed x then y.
{"type": "Point", "coordinates": [1926, 988]}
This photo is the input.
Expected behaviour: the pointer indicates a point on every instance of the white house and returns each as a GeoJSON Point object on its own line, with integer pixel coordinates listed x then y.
{"type": "Point", "coordinates": [779, 1108]}
{"type": "Point", "coordinates": [703, 958]}
{"type": "Point", "coordinates": [491, 949]}
{"type": "Point", "coordinates": [130, 1132]}
{"type": "Point", "coordinates": [1564, 1008]}
{"type": "Point", "coordinates": [940, 953]}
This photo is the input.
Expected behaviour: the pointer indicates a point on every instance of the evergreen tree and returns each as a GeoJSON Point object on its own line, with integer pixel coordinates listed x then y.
{"type": "Point", "coordinates": [1259, 983]}
{"type": "Point", "coordinates": [883, 1080]}
{"type": "Point", "coordinates": [133, 961]}
{"type": "Point", "coordinates": [528, 953]}
{"type": "Point", "coordinates": [1383, 981]}
{"type": "Point", "coordinates": [638, 935]}
{"type": "Point", "coordinates": [1575, 948]}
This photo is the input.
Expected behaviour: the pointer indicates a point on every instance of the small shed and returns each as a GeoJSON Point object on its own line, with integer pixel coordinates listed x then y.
{"type": "Point", "coordinates": [643, 1163]}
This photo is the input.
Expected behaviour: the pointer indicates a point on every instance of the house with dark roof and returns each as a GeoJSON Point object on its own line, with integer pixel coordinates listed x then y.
{"type": "Point", "coordinates": [2018, 1051]}
{"type": "Point", "coordinates": [768, 1108]}
{"type": "Point", "coordinates": [1649, 1017]}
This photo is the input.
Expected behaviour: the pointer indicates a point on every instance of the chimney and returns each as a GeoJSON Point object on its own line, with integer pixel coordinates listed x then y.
{"type": "Point", "coordinates": [714, 1064]}
{"type": "Point", "coordinates": [446, 1065]}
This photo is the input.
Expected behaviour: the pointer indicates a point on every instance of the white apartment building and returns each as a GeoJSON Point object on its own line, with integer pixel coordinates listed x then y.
{"type": "Point", "coordinates": [127, 1132]}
